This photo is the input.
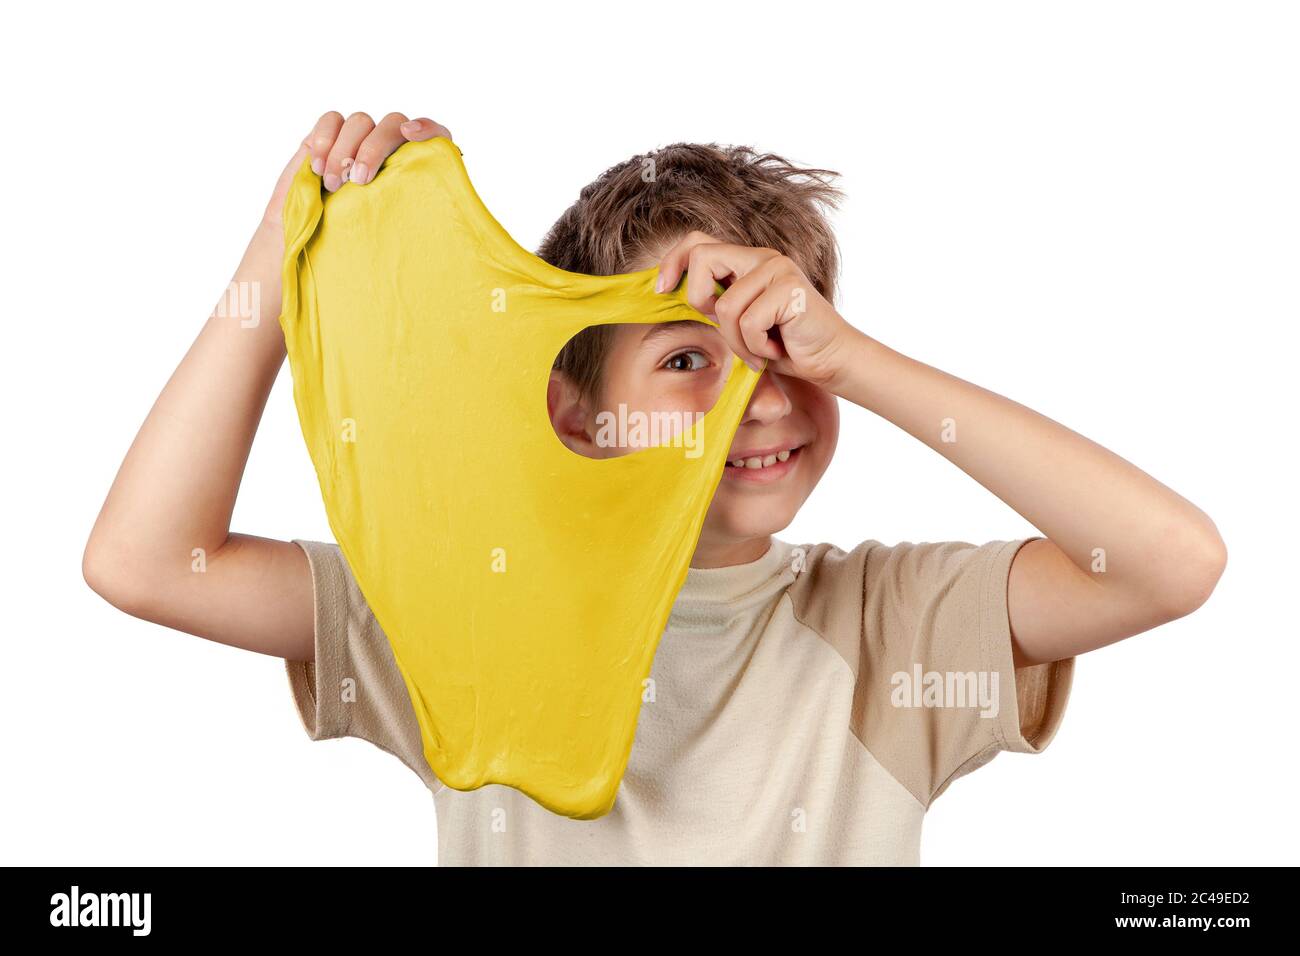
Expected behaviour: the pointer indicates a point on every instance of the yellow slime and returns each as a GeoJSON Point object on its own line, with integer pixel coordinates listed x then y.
{"type": "Point", "coordinates": [523, 588]}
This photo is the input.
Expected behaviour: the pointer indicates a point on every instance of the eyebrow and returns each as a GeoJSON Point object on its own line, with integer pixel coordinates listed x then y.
{"type": "Point", "coordinates": [660, 329]}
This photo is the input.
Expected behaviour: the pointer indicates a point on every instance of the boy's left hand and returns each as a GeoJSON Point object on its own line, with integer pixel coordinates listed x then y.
{"type": "Point", "coordinates": [770, 309]}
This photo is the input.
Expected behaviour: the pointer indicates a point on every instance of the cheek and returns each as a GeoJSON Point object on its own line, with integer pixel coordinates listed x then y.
{"type": "Point", "coordinates": [622, 387]}
{"type": "Point", "coordinates": [690, 391]}
{"type": "Point", "coordinates": [828, 422]}
{"type": "Point", "coordinates": [654, 389]}
{"type": "Point", "coordinates": [824, 412]}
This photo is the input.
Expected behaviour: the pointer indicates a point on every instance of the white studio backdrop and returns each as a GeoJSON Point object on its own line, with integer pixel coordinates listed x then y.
{"type": "Point", "coordinates": [1091, 208]}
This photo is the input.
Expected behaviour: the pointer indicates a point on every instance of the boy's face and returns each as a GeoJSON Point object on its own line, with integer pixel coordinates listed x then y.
{"type": "Point", "coordinates": [779, 452]}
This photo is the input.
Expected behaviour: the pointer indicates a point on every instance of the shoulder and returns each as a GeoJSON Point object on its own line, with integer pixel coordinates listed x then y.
{"type": "Point", "coordinates": [827, 592]}
{"type": "Point", "coordinates": [828, 577]}
{"type": "Point", "coordinates": [884, 587]}
{"type": "Point", "coordinates": [875, 570]}
{"type": "Point", "coordinates": [828, 580]}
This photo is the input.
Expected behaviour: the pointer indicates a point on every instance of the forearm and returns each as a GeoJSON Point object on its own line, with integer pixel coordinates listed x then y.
{"type": "Point", "coordinates": [1099, 509]}
{"type": "Point", "coordinates": [176, 488]}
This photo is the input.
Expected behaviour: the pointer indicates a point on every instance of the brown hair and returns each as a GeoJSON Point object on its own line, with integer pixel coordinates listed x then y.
{"type": "Point", "coordinates": [731, 192]}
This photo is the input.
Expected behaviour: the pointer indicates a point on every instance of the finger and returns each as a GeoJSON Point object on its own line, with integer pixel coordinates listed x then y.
{"type": "Point", "coordinates": [731, 334]}
{"type": "Point", "coordinates": [375, 148]}
{"type": "Point", "coordinates": [423, 128]}
{"type": "Point", "coordinates": [673, 263]}
{"type": "Point", "coordinates": [355, 129]}
{"type": "Point", "coordinates": [321, 139]}
{"type": "Point", "coordinates": [764, 314]}
{"type": "Point", "coordinates": [728, 313]}
{"type": "Point", "coordinates": [715, 261]}
{"type": "Point", "coordinates": [740, 295]}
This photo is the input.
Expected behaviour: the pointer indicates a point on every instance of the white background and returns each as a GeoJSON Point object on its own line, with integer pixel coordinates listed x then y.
{"type": "Point", "coordinates": [1090, 208]}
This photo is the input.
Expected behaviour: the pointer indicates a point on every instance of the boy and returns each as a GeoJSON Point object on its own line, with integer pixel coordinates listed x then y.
{"type": "Point", "coordinates": [810, 703]}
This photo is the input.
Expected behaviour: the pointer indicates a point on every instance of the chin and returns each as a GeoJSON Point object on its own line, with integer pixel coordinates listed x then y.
{"type": "Point", "coordinates": [742, 520]}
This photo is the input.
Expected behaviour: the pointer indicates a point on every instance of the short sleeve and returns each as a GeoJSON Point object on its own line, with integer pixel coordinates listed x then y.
{"type": "Point", "coordinates": [943, 696]}
{"type": "Point", "coordinates": [353, 688]}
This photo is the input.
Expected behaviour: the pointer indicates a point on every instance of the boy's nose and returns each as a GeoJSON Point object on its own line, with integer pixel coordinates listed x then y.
{"type": "Point", "coordinates": [769, 402]}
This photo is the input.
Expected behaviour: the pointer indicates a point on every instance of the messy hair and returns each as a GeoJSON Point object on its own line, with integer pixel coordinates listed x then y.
{"type": "Point", "coordinates": [731, 192]}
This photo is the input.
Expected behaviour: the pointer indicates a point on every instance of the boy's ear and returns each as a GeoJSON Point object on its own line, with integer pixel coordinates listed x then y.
{"type": "Point", "coordinates": [569, 414]}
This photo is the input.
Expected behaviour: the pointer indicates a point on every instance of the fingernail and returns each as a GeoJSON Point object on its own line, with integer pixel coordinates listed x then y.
{"type": "Point", "coordinates": [358, 172]}
{"type": "Point", "coordinates": [753, 366]}
{"type": "Point", "coordinates": [661, 282]}
{"type": "Point", "coordinates": [332, 182]}
{"type": "Point", "coordinates": [317, 166]}
{"type": "Point", "coordinates": [411, 126]}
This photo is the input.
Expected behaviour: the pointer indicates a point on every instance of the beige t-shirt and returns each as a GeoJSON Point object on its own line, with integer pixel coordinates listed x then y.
{"type": "Point", "coordinates": [808, 708]}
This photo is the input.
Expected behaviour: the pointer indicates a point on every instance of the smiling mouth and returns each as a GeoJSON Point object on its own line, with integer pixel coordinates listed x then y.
{"type": "Point", "coordinates": [765, 466]}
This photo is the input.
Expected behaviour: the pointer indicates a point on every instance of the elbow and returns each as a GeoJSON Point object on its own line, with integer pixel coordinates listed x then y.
{"type": "Point", "coordinates": [98, 571]}
{"type": "Point", "coordinates": [106, 569]}
{"type": "Point", "coordinates": [1195, 567]}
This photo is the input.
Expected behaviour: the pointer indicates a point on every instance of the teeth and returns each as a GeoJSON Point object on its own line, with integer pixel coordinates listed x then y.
{"type": "Point", "coordinates": [756, 462]}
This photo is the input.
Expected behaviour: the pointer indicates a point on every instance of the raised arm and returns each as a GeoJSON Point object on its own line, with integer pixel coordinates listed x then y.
{"type": "Point", "coordinates": [1122, 552]}
{"type": "Point", "coordinates": [162, 548]}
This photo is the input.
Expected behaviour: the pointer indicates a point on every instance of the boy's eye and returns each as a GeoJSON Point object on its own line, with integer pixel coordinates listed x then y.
{"type": "Point", "coordinates": [681, 362]}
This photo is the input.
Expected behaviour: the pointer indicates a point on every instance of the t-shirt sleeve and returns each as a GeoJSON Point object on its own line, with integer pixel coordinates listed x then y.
{"type": "Point", "coordinates": [944, 695]}
{"type": "Point", "coordinates": [353, 688]}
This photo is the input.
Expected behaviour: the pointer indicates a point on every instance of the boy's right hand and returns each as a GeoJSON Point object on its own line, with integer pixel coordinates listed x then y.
{"type": "Point", "coordinates": [349, 150]}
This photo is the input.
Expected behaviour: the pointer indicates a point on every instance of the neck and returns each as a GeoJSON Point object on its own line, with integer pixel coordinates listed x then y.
{"type": "Point", "coordinates": [714, 553]}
